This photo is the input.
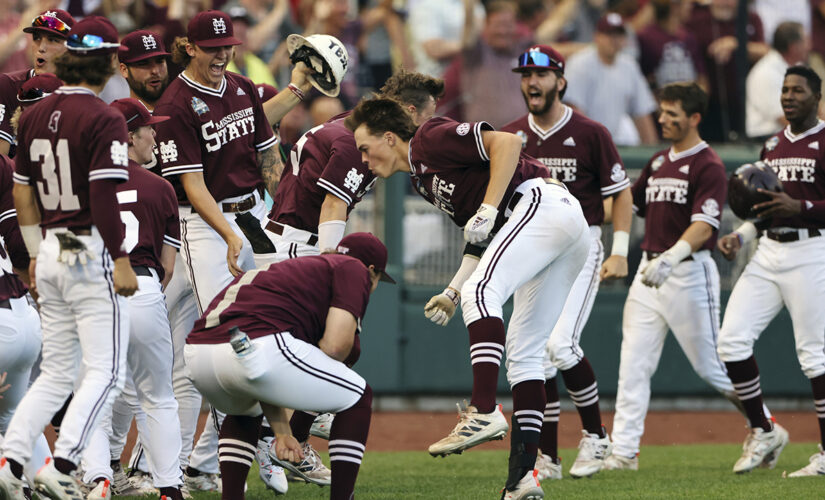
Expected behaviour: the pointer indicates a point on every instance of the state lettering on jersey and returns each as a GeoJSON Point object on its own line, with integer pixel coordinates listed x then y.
{"type": "Point", "coordinates": [561, 169]}
{"type": "Point", "coordinates": [666, 189]}
{"type": "Point", "coordinates": [231, 127]}
{"type": "Point", "coordinates": [793, 169]}
{"type": "Point", "coordinates": [442, 194]}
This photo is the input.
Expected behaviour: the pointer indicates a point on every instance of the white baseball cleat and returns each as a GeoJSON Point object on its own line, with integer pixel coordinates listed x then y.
{"type": "Point", "coordinates": [11, 488]}
{"type": "Point", "coordinates": [618, 462]}
{"type": "Point", "coordinates": [141, 484]}
{"type": "Point", "coordinates": [101, 491]}
{"type": "Point", "coordinates": [203, 482]}
{"type": "Point", "coordinates": [272, 475]}
{"type": "Point", "coordinates": [593, 450]}
{"type": "Point", "coordinates": [322, 425]}
{"type": "Point", "coordinates": [311, 469]}
{"type": "Point", "coordinates": [547, 467]}
{"type": "Point", "coordinates": [759, 446]}
{"type": "Point", "coordinates": [473, 428]}
{"type": "Point", "coordinates": [51, 483]}
{"type": "Point", "coordinates": [815, 468]}
{"type": "Point", "coordinates": [526, 489]}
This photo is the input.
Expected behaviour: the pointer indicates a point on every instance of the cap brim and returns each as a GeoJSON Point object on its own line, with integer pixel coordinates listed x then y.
{"type": "Point", "coordinates": [157, 119]}
{"type": "Point", "coordinates": [522, 69]}
{"type": "Point", "coordinates": [386, 278]}
{"type": "Point", "coordinates": [143, 57]}
{"type": "Point", "coordinates": [32, 29]}
{"type": "Point", "coordinates": [219, 42]}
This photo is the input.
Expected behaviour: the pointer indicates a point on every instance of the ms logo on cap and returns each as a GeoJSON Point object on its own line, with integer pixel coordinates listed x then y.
{"type": "Point", "coordinates": [219, 25]}
{"type": "Point", "coordinates": [149, 42]}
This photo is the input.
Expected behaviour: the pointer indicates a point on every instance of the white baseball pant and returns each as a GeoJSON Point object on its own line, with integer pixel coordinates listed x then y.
{"type": "Point", "coordinates": [292, 243]}
{"type": "Point", "coordinates": [790, 274]}
{"type": "Point", "coordinates": [150, 366]}
{"type": "Point", "coordinates": [563, 350]}
{"type": "Point", "coordinates": [688, 304]}
{"type": "Point", "coordinates": [83, 320]}
{"type": "Point", "coordinates": [535, 257]}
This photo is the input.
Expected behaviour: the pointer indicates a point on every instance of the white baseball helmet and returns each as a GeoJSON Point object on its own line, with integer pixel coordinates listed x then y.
{"type": "Point", "coordinates": [326, 55]}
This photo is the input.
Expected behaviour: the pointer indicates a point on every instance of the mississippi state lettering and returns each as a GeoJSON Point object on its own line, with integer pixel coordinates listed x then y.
{"type": "Point", "coordinates": [666, 189]}
{"type": "Point", "coordinates": [561, 169]}
{"type": "Point", "coordinates": [230, 127]}
{"type": "Point", "coordinates": [793, 169]}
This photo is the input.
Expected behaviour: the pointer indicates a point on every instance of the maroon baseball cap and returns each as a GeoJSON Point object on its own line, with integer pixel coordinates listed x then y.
{"type": "Point", "coordinates": [611, 23]}
{"type": "Point", "coordinates": [540, 57]}
{"type": "Point", "coordinates": [136, 113]}
{"type": "Point", "coordinates": [93, 36]}
{"type": "Point", "coordinates": [212, 28]}
{"type": "Point", "coordinates": [55, 21]}
{"type": "Point", "coordinates": [266, 91]}
{"type": "Point", "coordinates": [37, 87]}
{"type": "Point", "coordinates": [139, 45]}
{"type": "Point", "coordinates": [368, 249]}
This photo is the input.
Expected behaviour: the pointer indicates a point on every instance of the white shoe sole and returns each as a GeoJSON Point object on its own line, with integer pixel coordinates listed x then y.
{"type": "Point", "coordinates": [297, 472]}
{"type": "Point", "coordinates": [474, 441]}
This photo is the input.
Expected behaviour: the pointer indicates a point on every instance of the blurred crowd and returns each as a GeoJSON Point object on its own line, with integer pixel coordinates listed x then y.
{"type": "Point", "coordinates": [618, 52]}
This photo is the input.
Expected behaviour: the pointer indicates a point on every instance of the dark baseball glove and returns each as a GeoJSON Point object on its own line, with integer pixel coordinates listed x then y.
{"type": "Point", "coordinates": [251, 228]}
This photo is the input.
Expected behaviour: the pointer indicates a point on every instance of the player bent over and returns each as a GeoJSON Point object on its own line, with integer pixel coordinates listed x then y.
{"type": "Point", "coordinates": [72, 155]}
{"type": "Point", "coordinates": [787, 269]}
{"type": "Point", "coordinates": [680, 194]}
{"type": "Point", "coordinates": [580, 153]}
{"type": "Point", "coordinates": [539, 244]}
{"type": "Point", "coordinates": [275, 338]}
{"type": "Point", "coordinates": [149, 211]}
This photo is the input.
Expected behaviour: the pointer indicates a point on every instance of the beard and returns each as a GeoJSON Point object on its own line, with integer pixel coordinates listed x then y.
{"type": "Point", "coordinates": [143, 92]}
{"type": "Point", "coordinates": [549, 99]}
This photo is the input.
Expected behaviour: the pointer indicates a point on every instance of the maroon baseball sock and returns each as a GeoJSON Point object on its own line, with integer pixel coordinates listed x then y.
{"type": "Point", "coordinates": [549, 441]}
{"type": "Point", "coordinates": [745, 378]}
{"type": "Point", "coordinates": [236, 451]}
{"type": "Point", "coordinates": [347, 443]}
{"type": "Point", "coordinates": [486, 350]}
{"type": "Point", "coordinates": [528, 411]}
{"type": "Point", "coordinates": [300, 423]}
{"type": "Point", "coordinates": [818, 386]}
{"type": "Point", "coordinates": [584, 391]}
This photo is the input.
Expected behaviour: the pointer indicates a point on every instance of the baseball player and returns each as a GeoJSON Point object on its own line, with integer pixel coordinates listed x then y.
{"type": "Point", "coordinates": [787, 269]}
{"type": "Point", "coordinates": [48, 31]}
{"type": "Point", "coordinates": [680, 194]}
{"type": "Point", "coordinates": [73, 155]}
{"type": "Point", "coordinates": [275, 338]}
{"type": "Point", "coordinates": [580, 153]}
{"type": "Point", "coordinates": [539, 244]}
{"type": "Point", "coordinates": [149, 210]}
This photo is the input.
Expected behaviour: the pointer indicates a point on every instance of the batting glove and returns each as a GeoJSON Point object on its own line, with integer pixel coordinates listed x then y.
{"type": "Point", "coordinates": [72, 250]}
{"type": "Point", "coordinates": [657, 271]}
{"type": "Point", "coordinates": [478, 228]}
{"type": "Point", "coordinates": [440, 308]}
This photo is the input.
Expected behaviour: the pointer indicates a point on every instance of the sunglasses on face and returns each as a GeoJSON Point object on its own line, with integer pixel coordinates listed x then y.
{"type": "Point", "coordinates": [52, 23]}
{"type": "Point", "coordinates": [535, 58]}
{"type": "Point", "coordinates": [88, 42]}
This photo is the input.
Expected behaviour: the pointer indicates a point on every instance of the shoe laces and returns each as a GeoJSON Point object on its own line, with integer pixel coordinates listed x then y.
{"type": "Point", "coordinates": [590, 447]}
{"type": "Point", "coordinates": [311, 457]}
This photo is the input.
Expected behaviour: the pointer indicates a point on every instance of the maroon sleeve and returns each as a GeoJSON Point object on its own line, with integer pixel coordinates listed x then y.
{"type": "Point", "coordinates": [612, 174]}
{"type": "Point", "coordinates": [449, 104]}
{"type": "Point", "coordinates": [351, 288]}
{"type": "Point", "coordinates": [457, 142]}
{"type": "Point", "coordinates": [178, 142]}
{"type": "Point", "coordinates": [758, 34]}
{"type": "Point", "coordinates": [109, 148]}
{"type": "Point", "coordinates": [638, 190]}
{"type": "Point", "coordinates": [106, 215]}
{"type": "Point", "coordinates": [708, 188]}
{"type": "Point", "coordinates": [171, 235]}
{"type": "Point", "coordinates": [264, 135]}
{"type": "Point", "coordinates": [344, 173]}
{"type": "Point", "coordinates": [9, 229]}
{"type": "Point", "coordinates": [22, 165]}
{"type": "Point", "coordinates": [8, 104]}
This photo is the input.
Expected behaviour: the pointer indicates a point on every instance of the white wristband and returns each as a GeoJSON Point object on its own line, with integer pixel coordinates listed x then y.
{"type": "Point", "coordinates": [679, 252]}
{"type": "Point", "coordinates": [330, 233]}
{"type": "Point", "coordinates": [32, 237]}
{"type": "Point", "coordinates": [621, 242]}
{"type": "Point", "coordinates": [748, 232]}
{"type": "Point", "coordinates": [468, 265]}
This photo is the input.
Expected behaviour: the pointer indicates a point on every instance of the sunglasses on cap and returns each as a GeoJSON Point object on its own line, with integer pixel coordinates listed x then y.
{"type": "Point", "coordinates": [52, 23]}
{"type": "Point", "coordinates": [536, 58]}
{"type": "Point", "coordinates": [88, 42]}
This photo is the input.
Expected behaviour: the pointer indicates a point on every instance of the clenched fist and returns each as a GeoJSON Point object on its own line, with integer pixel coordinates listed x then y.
{"type": "Point", "coordinates": [440, 308]}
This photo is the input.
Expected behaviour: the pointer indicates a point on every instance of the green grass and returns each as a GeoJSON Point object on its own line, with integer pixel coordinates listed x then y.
{"type": "Point", "coordinates": [697, 471]}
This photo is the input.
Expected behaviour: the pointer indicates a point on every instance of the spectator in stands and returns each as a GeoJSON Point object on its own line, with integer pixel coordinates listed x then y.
{"type": "Point", "coordinates": [668, 52]}
{"type": "Point", "coordinates": [608, 86]}
{"type": "Point", "coordinates": [245, 61]}
{"type": "Point", "coordinates": [479, 85]}
{"type": "Point", "coordinates": [817, 56]}
{"type": "Point", "coordinates": [772, 13]}
{"type": "Point", "coordinates": [440, 30]}
{"type": "Point", "coordinates": [714, 27]}
{"type": "Point", "coordinates": [764, 115]}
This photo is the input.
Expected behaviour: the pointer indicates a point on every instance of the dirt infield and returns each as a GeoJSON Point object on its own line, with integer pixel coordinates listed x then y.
{"type": "Point", "coordinates": [397, 431]}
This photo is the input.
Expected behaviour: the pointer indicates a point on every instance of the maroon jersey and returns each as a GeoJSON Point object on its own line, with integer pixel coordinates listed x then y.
{"type": "Point", "coordinates": [450, 168]}
{"type": "Point", "coordinates": [325, 160]}
{"type": "Point", "coordinates": [13, 252]}
{"type": "Point", "coordinates": [799, 162]}
{"type": "Point", "coordinates": [291, 296]}
{"type": "Point", "coordinates": [69, 140]}
{"type": "Point", "coordinates": [10, 84]}
{"type": "Point", "coordinates": [214, 131]}
{"type": "Point", "coordinates": [580, 153]}
{"type": "Point", "coordinates": [149, 211]}
{"type": "Point", "coordinates": [666, 57]}
{"type": "Point", "coordinates": [677, 189]}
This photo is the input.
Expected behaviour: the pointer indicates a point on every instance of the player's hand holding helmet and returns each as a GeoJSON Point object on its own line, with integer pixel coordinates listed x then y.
{"type": "Point", "coordinates": [441, 307]}
{"type": "Point", "coordinates": [72, 250]}
{"type": "Point", "coordinates": [479, 226]}
{"type": "Point", "coordinates": [744, 188]}
{"type": "Point", "coordinates": [325, 55]}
